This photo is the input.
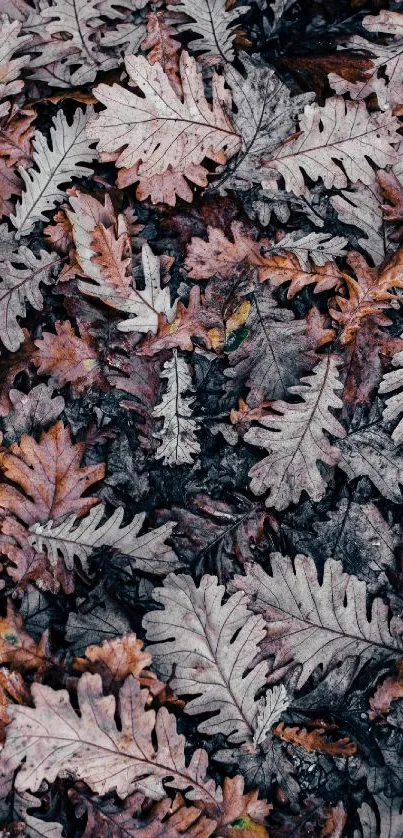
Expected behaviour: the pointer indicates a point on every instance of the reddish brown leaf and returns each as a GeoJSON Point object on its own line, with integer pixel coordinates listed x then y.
{"type": "Point", "coordinates": [336, 820]}
{"type": "Point", "coordinates": [196, 321]}
{"type": "Point", "coordinates": [387, 691]}
{"type": "Point", "coordinates": [113, 255]}
{"type": "Point", "coordinates": [163, 46]}
{"type": "Point", "coordinates": [67, 359]}
{"type": "Point", "coordinates": [59, 233]}
{"type": "Point", "coordinates": [16, 133]}
{"type": "Point", "coordinates": [28, 566]}
{"type": "Point", "coordinates": [49, 474]}
{"type": "Point", "coordinates": [368, 295]}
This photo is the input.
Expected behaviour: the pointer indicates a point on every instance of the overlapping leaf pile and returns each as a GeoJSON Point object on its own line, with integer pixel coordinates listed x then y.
{"type": "Point", "coordinates": [201, 409]}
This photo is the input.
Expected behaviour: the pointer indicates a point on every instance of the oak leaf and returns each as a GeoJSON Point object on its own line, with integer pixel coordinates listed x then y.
{"type": "Point", "coordinates": [90, 747]}
{"type": "Point", "coordinates": [16, 133]}
{"type": "Point", "coordinates": [27, 566]}
{"type": "Point", "coordinates": [195, 130]}
{"type": "Point", "coordinates": [361, 207]}
{"type": "Point", "coordinates": [294, 438]}
{"type": "Point", "coordinates": [49, 474]}
{"type": "Point", "coordinates": [314, 740]}
{"type": "Point", "coordinates": [178, 442]}
{"type": "Point", "coordinates": [163, 46]}
{"type": "Point", "coordinates": [370, 452]}
{"type": "Point", "coordinates": [368, 295]}
{"type": "Point", "coordinates": [341, 132]}
{"type": "Point", "coordinates": [73, 539]}
{"type": "Point", "coordinates": [55, 165]}
{"type": "Point", "coordinates": [115, 659]}
{"type": "Point", "coordinates": [391, 689]}
{"type": "Point", "coordinates": [274, 352]}
{"type": "Point", "coordinates": [21, 277]}
{"type": "Point", "coordinates": [30, 411]}
{"type": "Point", "coordinates": [210, 646]}
{"type": "Point", "coordinates": [316, 624]}
{"type": "Point", "coordinates": [213, 22]}
{"type": "Point", "coordinates": [198, 320]}
{"type": "Point", "coordinates": [67, 359]}
{"type": "Point", "coordinates": [11, 41]}
{"type": "Point", "coordinates": [265, 115]}
{"type": "Point", "coordinates": [17, 647]}
{"type": "Point", "coordinates": [386, 61]}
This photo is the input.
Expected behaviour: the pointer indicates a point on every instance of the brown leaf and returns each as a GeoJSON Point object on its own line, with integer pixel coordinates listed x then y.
{"type": "Point", "coordinates": [243, 417]}
{"type": "Point", "coordinates": [10, 184]}
{"type": "Point", "coordinates": [139, 376]}
{"type": "Point", "coordinates": [196, 321]}
{"type": "Point", "coordinates": [59, 233]}
{"type": "Point", "coordinates": [366, 356]}
{"type": "Point", "coordinates": [163, 46]}
{"type": "Point", "coordinates": [50, 475]}
{"type": "Point", "coordinates": [67, 359]}
{"type": "Point", "coordinates": [140, 817]}
{"type": "Point", "coordinates": [389, 690]}
{"type": "Point", "coordinates": [336, 820]}
{"type": "Point", "coordinates": [243, 814]}
{"type": "Point", "coordinates": [16, 133]}
{"type": "Point", "coordinates": [29, 566]}
{"type": "Point", "coordinates": [285, 267]}
{"type": "Point", "coordinates": [221, 256]}
{"type": "Point", "coordinates": [392, 190]}
{"type": "Point", "coordinates": [115, 659]}
{"type": "Point", "coordinates": [17, 647]}
{"type": "Point", "coordinates": [113, 255]}
{"type": "Point", "coordinates": [369, 294]}
{"type": "Point", "coordinates": [313, 740]}
{"type": "Point", "coordinates": [12, 686]}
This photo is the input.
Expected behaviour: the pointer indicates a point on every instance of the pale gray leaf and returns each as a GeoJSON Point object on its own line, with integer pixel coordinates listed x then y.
{"type": "Point", "coordinates": [314, 623]}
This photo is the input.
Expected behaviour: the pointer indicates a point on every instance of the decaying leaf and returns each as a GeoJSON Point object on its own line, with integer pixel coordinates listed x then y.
{"type": "Point", "coordinates": [67, 359]}
{"type": "Point", "coordinates": [49, 475]}
{"type": "Point", "coordinates": [78, 539]}
{"type": "Point", "coordinates": [313, 623]}
{"type": "Point", "coordinates": [178, 442]}
{"type": "Point", "coordinates": [315, 740]}
{"type": "Point", "coordinates": [341, 132]}
{"type": "Point", "coordinates": [96, 751]}
{"type": "Point", "coordinates": [293, 436]}
{"type": "Point", "coordinates": [196, 130]}
{"type": "Point", "coordinates": [210, 647]}
{"type": "Point", "coordinates": [20, 283]}
{"type": "Point", "coordinates": [54, 165]}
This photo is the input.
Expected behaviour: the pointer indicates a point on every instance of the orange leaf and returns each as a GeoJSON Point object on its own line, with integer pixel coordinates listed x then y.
{"type": "Point", "coordinates": [368, 295]}
{"type": "Point", "coordinates": [115, 659]}
{"type": "Point", "coordinates": [313, 740]}
{"type": "Point", "coordinates": [285, 267]}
